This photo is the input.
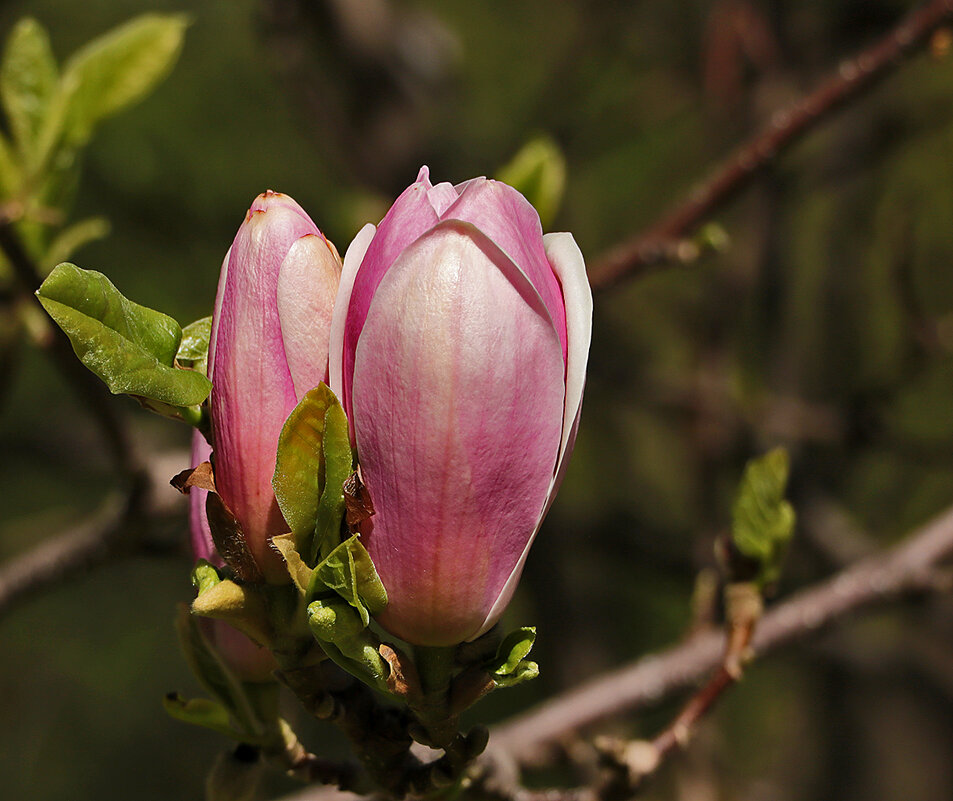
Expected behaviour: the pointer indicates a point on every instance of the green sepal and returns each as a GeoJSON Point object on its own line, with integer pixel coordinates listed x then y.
{"type": "Point", "coordinates": [762, 520]}
{"type": "Point", "coordinates": [130, 347]}
{"type": "Point", "coordinates": [346, 639]}
{"type": "Point", "coordinates": [201, 712]}
{"type": "Point", "coordinates": [300, 573]}
{"type": "Point", "coordinates": [349, 571]}
{"type": "Point", "coordinates": [216, 678]}
{"type": "Point", "coordinates": [238, 604]}
{"type": "Point", "coordinates": [313, 461]}
{"type": "Point", "coordinates": [205, 576]}
{"type": "Point", "coordinates": [538, 172]}
{"type": "Point", "coordinates": [510, 666]}
{"type": "Point", "coordinates": [193, 347]}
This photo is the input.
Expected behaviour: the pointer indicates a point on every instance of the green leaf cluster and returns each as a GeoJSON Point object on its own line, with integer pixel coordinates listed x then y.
{"type": "Point", "coordinates": [240, 710]}
{"type": "Point", "coordinates": [510, 666]}
{"type": "Point", "coordinates": [132, 348]}
{"type": "Point", "coordinates": [762, 520]}
{"type": "Point", "coordinates": [51, 113]}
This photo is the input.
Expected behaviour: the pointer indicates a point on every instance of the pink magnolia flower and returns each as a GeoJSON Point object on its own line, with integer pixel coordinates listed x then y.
{"type": "Point", "coordinates": [268, 347]}
{"type": "Point", "coordinates": [247, 660]}
{"type": "Point", "coordinates": [459, 348]}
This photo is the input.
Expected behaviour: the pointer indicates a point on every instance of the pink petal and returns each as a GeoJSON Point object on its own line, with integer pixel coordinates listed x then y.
{"type": "Point", "coordinates": [567, 261]}
{"type": "Point", "coordinates": [411, 215]}
{"type": "Point", "coordinates": [253, 391]}
{"type": "Point", "coordinates": [307, 285]}
{"type": "Point", "coordinates": [510, 220]}
{"type": "Point", "coordinates": [458, 408]}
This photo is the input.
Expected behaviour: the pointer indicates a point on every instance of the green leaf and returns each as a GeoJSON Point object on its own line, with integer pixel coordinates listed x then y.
{"type": "Point", "coordinates": [28, 81]}
{"type": "Point", "coordinates": [524, 671]}
{"type": "Point", "coordinates": [344, 635]}
{"type": "Point", "coordinates": [10, 176]}
{"type": "Point", "coordinates": [71, 239]}
{"type": "Point", "coordinates": [201, 712]}
{"type": "Point", "coordinates": [313, 454]}
{"type": "Point", "coordinates": [130, 347]}
{"type": "Point", "coordinates": [193, 349]}
{"type": "Point", "coordinates": [300, 573]}
{"type": "Point", "coordinates": [338, 461]}
{"type": "Point", "coordinates": [762, 520]}
{"type": "Point", "coordinates": [512, 651]}
{"type": "Point", "coordinates": [538, 171]}
{"type": "Point", "coordinates": [117, 69]}
{"type": "Point", "coordinates": [349, 571]}
{"type": "Point", "coordinates": [213, 674]}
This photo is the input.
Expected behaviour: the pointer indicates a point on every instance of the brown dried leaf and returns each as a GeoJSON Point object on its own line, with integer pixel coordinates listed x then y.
{"type": "Point", "coordinates": [402, 679]}
{"type": "Point", "coordinates": [201, 477]}
{"type": "Point", "coordinates": [230, 539]}
{"type": "Point", "coordinates": [357, 502]}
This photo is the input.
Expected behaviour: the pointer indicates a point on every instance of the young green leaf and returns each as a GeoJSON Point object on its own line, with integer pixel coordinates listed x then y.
{"type": "Point", "coordinates": [117, 69]}
{"type": "Point", "coordinates": [538, 171]}
{"type": "Point", "coordinates": [130, 347]}
{"type": "Point", "coordinates": [762, 520]}
{"type": "Point", "coordinates": [314, 459]}
{"type": "Point", "coordinates": [338, 461]}
{"type": "Point", "coordinates": [212, 673]}
{"type": "Point", "coordinates": [28, 81]}
{"type": "Point", "coordinates": [193, 349]}
{"type": "Point", "coordinates": [513, 650]}
{"type": "Point", "coordinates": [10, 175]}
{"type": "Point", "coordinates": [349, 571]}
{"type": "Point", "coordinates": [201, 712]}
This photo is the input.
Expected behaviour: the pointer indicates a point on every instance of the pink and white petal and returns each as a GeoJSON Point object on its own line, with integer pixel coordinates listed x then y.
{"type": "Point", "coordinates": [353, 257]}
{"type": "Point", "coordinates": [458, 420]}
{"type": "Point", "coordinates": [570, 268]}
{"type": "Point", "coordinates": [307, 285]}
{"type": "Point", "coordinates": [409, 217]}
{"type": "Point", "coordinates": [510, 220]}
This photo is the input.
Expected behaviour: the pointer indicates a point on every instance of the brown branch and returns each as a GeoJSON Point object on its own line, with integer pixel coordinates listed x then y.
{"type": "Point", "coordinates": [123, 525]}
{"type": "Point", "coordinates": [910, 567]}
{"type": "Point", "coordinates": [659, 243]}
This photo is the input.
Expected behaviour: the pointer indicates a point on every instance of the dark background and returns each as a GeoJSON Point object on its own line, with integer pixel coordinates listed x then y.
{"type": "Point", "coordinates": [826, 326]}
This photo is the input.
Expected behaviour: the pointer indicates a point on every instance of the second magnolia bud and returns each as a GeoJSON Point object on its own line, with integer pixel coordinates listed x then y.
{"type": "Point", "coordinates": [268, 347]}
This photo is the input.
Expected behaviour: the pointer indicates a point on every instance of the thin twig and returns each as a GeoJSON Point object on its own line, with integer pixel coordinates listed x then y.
{"type": "Point", "coordinates": [124, 524]}
{"type": "Point", "coordinates": [909, 567]}
{"type": "Point", "coordinates": [659, 241]}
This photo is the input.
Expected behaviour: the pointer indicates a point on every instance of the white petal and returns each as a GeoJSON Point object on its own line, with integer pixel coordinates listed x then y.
{"type": "Point", "coordinates": [352, 263]}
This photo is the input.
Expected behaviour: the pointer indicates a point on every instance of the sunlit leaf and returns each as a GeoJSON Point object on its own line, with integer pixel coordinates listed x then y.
{"type": "Point", "coordinates": [130, 347]}
{"type": "Point", "coordinates": [193, 349]}
{"type": "Point", "coordinates": [349, 571]}
{"type": "Point", "coordinates": [763, 521]}
{"type": "Point", "coordinates": [117, 69]}
{"type": "Point", "coordinates": [28, 81]}
{"type": "Point", "coordinates": [313, 461]}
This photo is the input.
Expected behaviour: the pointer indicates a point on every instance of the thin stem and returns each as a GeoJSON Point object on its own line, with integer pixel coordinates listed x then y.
{"type": "Point", "coordinates": [658, 244]}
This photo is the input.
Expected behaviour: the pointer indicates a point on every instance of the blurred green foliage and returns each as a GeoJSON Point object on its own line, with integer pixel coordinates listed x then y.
{"type": "Point", "coordinates": [826, 327]}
